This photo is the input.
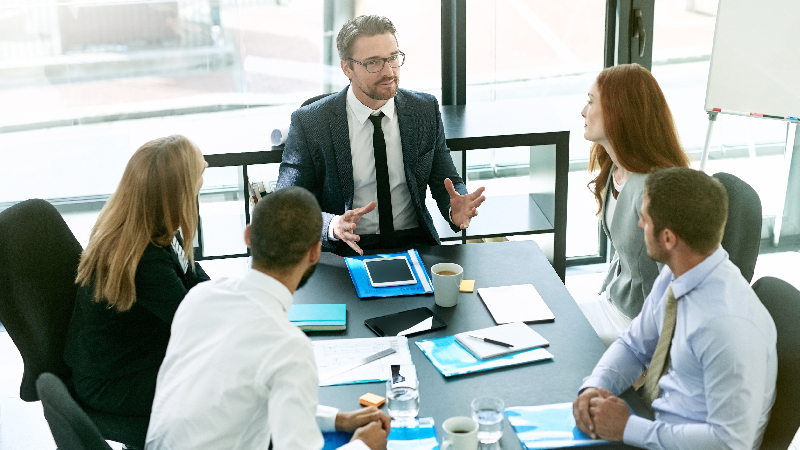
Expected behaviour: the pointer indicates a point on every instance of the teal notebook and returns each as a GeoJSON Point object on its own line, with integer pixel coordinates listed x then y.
{"type": "Point", "coordinates": [421, 437]}
{"type": "Point", "coordinates": [364, 289]}
{"type": "Point", "coordinates": [316, 317]}
{"type": "Point", "coordinates": [450, 358]}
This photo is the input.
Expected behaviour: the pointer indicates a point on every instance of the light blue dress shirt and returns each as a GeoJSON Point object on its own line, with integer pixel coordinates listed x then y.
{"type": "Point", "coordinates": [720, 385]}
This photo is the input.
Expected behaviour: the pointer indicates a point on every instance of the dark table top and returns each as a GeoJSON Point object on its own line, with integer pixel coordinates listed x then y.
{"type": "Point", "coordinates": [573, 342]}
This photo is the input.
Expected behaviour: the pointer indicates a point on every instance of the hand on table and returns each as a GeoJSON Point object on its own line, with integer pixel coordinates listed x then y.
{"type": "Point", "coordinates": [351, 420]}
{"type": "Point", "coordinates": [463, 207]}
{"type": "Point", "coordinates": [580, 410]}
{"type": "Point", "coordinates": [610, 414]}
{"type": "Point", "coordinates": [345, 225]}
{"type": "Point", "coordinates": [373, 435]}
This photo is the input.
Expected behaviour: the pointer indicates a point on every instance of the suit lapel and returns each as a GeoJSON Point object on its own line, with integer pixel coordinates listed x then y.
{"type": "Point", "coordinates": [340, 135]}
{"type": "Point", "coordinates": [409, 134]}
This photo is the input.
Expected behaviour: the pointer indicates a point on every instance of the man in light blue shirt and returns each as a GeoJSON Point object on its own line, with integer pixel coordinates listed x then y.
{"type": "Point", "coordinates": [718, 382]}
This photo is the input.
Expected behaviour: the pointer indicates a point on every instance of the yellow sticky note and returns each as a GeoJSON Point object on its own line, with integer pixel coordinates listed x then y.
{"type": "Point", "coordinates": [467, 286]}
{"type": "Point", "coordinates": [370, 399]}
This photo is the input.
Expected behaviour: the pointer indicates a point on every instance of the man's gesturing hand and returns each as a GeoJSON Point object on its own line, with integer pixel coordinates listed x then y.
{"type": "Point", "coordinates": [345, 225]}
{"type": "Point", "coordinates": [463, 207]}
{"type": "Point", "coordinates": [580, 409]}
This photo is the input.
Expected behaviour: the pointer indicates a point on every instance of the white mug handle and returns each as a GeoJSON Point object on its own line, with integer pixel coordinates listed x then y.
{"type": "Point", "coordinates": [445, 445]}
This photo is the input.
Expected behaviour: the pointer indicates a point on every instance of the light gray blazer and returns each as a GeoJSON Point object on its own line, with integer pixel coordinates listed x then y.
{"type": "Point", "coordinates": [632, 273]}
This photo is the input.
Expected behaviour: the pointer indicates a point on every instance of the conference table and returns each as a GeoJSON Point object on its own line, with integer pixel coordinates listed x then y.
{"type": "Point", "coordinates": [573, 343]}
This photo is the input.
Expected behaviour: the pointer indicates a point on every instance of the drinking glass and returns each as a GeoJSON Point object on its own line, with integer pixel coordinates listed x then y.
{"type": "Point", "coordinates": [488, 412]}
{"type": "Point", "coordinates": [402, 401]}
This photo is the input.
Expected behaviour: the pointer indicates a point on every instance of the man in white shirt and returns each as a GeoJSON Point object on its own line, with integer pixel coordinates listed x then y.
{"type": "Point", "coordinates": [708, 340]}
{"type": "Point", "coordinates": [237, 374]}
{"type": "Point", "coordinates": [370, 152]}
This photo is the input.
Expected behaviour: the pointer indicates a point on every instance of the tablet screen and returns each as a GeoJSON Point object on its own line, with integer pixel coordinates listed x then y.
{"type": "Point", "coordinates": [389, 271]}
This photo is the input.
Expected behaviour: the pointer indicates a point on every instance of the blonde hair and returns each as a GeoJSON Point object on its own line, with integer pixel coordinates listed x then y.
{"type": "Point", "coordinates": [156, 196]}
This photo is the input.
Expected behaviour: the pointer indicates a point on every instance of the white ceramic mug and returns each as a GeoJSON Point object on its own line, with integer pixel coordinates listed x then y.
{"type": "Point", "coordinates": [445, 287]}
{"type": "Point", "coordinates": [461, 433]}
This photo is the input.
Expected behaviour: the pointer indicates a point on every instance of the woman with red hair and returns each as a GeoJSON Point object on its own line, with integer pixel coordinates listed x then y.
{"type": "Point", "coordinates": [632, 130]}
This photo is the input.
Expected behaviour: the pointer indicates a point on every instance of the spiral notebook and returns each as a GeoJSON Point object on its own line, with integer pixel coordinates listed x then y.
{"type": "Point", "coordinates": [519, 336]}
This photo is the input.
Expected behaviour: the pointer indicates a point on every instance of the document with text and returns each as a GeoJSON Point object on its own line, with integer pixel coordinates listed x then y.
{"type": "Point", "coordinates": [334, 355]}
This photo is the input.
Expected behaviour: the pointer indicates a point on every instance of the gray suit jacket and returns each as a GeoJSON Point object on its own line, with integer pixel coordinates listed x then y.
{"type": "Point", "coordinates": [317, 157]}
{"type": "Point", "coordinates": [632, 273]}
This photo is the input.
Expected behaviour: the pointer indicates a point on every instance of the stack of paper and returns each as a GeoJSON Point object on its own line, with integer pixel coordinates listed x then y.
{"type": "Point", "coordinates": [518, 303]}
{"type": "Point", "coordinates": [517, 334]}
{"type": "Point", "coordinates": [335, 354]}
{"type": "Point", "coordinates": [316, 317]}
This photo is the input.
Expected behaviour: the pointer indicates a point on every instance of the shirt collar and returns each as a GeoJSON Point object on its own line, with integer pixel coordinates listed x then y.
{"type": "Point", "coordinates": [362, 111]}
{"type": "Point", "coordinates": [271, 286]}
{"type": "Point", "coordinates": [692, 278]}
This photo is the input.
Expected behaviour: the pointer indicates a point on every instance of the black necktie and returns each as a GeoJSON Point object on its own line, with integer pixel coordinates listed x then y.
{"type": "Point", "coordinates": [385, 218]}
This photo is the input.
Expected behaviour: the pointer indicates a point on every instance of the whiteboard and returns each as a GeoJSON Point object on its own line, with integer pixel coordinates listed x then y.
{"type": "Point", "coordinates": [755, 64]}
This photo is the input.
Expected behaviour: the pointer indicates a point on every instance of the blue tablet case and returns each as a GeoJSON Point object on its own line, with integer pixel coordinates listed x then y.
{"type": "Point", "coordinates": [364, 289]}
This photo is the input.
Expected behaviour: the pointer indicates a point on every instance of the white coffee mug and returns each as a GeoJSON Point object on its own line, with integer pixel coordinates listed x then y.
{"type": "Point", "coordinates": [461, 433]}
{"type": "Point", "coordinates": [445, 287]}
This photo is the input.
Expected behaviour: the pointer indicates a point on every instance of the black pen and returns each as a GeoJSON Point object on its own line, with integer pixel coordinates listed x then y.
{"type": "Point", "coordinates": [491, 341]}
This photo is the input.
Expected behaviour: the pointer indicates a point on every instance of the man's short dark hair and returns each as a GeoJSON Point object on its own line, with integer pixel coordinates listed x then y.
{"type": "Point", "coordinates": [285, 225]}
{"type": "Point", "coordinates": [690, 203]}
{"type": "Point", "coordinates": [361, 26]}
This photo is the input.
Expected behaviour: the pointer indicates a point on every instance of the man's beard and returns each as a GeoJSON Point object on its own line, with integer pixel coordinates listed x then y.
{"type": "Point", "coordinates": [656, 252]}
{"type": "Point", "coordinates": [375, 94]}
{"type": "Point", "coordinates": [306, 276]}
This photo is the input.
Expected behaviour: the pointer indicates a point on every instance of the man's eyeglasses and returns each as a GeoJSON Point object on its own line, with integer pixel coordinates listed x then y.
{"type": "Point", "coordinates": [377, 64]}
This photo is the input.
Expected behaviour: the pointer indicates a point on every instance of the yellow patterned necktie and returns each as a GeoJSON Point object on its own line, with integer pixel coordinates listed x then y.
{"type": "Point", "coordinates": [658, 363]}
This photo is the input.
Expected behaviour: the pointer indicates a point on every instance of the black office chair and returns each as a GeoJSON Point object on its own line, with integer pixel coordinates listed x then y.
{"type": "Point", "coordinates": [39, 258]}
{"type": "Point", "coordinates": [782, 301]}
{"type": "Point", "coordinates": [72, 429]}
{"type": "Point", "coordinates": [742, 237]}
{"type": "Point", "coordinates": [315, 98]}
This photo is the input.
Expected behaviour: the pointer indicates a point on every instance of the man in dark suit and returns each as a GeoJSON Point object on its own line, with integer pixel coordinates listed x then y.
{"type": "Point", "coordinates": [368, 152]}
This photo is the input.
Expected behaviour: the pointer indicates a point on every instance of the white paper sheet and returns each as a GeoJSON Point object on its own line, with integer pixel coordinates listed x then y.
{"type": "Point", "coordinates": [518, 303]}
{"type": "Point", "coordinates": [334, 353]}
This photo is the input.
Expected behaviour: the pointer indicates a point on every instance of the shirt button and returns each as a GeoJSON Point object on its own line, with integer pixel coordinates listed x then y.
{"type": "Point", "coordinates": [666, 395]}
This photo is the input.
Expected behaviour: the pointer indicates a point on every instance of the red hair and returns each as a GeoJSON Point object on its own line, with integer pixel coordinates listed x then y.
{"type": "Point", "coordinates": [638, 124]}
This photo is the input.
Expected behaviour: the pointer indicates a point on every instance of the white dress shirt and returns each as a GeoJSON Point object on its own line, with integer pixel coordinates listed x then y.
{"type": "Point", "coordinates": [720, 385]}
{"type": "Point", "coordinates": [365, 186]}
{"type": "Point", "coordinates": [238, 373]}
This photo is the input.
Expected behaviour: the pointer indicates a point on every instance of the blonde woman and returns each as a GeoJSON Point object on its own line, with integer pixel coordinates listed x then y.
{"type": "Point", "coordinates": [132, 276]}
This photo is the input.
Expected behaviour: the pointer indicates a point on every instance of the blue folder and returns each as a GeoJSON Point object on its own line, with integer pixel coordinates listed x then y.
{"type": "Point", "coordinates": [364, 289]}
{"type": "Point", "coordinates": [548, 426]}
{"type": "Point", "coordinates": [422, 437]}
{"type": "Point", "coordinates": [450, 358]}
